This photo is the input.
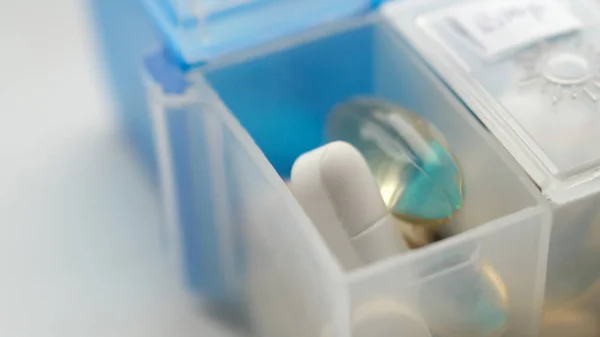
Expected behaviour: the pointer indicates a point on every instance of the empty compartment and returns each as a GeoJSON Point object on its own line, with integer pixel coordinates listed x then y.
{"type": "Point", "coordinates": [229, 138]}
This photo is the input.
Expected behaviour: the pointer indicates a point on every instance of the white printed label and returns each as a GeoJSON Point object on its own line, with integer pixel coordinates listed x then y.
{"type": "Point", "coordinates": [502, 25]}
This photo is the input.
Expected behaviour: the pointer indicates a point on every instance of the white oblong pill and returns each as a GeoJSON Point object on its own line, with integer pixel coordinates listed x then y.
{"type": "Point", "coordinates": [335, 182]}
{"type": "Point", "coordinates": [307, 186]}
{"type": "Point", "coordinates": [352, 189]}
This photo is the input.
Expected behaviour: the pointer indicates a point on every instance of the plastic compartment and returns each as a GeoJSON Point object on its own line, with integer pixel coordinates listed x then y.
{"type": "Point", "coordinates": [199, 30]}
{"type": "Point", "coordinates": [220, 188]}
{"type": "Point", "coordinates": [541, 101]}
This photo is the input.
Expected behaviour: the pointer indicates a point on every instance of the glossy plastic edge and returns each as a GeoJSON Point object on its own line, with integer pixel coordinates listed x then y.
{"type": "Point", "coordinates": [190, 50]}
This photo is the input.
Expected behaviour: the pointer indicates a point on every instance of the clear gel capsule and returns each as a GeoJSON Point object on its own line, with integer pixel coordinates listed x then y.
{"type": "Point", "coordinates": [418, 177]}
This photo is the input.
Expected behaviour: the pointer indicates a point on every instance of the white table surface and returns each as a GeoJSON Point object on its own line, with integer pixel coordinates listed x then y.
{"type": "Point", "coordinates": [80, 253]}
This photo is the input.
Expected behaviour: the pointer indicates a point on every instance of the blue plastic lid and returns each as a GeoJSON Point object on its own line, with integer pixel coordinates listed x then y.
{"type": "Point", "coordinates": [199, 30]}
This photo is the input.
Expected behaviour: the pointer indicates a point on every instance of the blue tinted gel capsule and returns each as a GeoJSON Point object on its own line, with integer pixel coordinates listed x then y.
{"type": "Point", "coordinates": [419, 178]}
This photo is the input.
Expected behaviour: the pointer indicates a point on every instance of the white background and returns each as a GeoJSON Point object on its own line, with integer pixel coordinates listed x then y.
{"type": "Point", "coordinates": [80, 253]}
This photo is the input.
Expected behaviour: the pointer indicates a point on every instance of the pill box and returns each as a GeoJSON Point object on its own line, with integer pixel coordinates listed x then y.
{"type": "Point", "coordinates": [241, 234]}
{"type": "Point", "coordinates": [537, 93]}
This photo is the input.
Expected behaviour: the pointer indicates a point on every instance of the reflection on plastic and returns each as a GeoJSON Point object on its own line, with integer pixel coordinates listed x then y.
{"type": "Point", "coordinates": [386, 317]}
{"type": "Point", "coordinates": [476, 305]}
{"type": "Point", "coordinates": [575, 318]}
{"type": "Point", "coordinates": [471, 300]}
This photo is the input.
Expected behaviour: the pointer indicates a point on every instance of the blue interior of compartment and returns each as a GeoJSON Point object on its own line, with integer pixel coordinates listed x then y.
{"type": "Point", "coordinates": [283, 98]}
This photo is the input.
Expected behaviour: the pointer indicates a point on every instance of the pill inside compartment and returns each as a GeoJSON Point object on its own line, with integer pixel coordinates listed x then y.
{"type": "Point", "coordinates": [481, 281]}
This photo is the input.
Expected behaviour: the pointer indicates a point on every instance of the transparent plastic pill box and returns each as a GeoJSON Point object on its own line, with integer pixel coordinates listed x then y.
{"type": "Point", "coordinates": [234, 221]}
{"type": "Point", "coordinates": [538, 95]}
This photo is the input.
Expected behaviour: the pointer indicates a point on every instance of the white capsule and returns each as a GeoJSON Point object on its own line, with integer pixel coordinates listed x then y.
{"type": "Point", "coordinates": [306, 185]}
{"type": "Point", "coordinates": [335, 187]}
